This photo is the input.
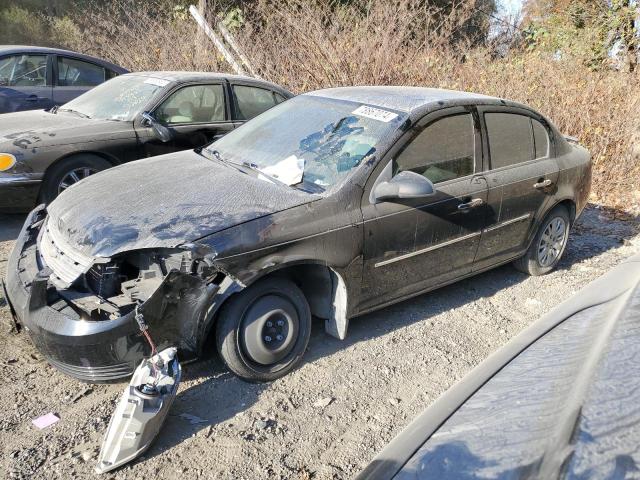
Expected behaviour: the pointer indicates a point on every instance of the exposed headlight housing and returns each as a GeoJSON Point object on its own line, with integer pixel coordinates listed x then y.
{"type": "Point", "coordinates": [7, 161]}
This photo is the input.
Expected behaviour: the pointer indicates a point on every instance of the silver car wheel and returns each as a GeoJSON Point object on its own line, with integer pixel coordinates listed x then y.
{"type": "Point", "coordinates": [552, 242]}
{"type": "Point", "coordinates": [74, 176]}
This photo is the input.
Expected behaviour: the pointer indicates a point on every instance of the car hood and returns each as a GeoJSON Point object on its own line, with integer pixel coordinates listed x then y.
{"type": "Point", "coordinates": [37, 128]}
{"type": "Point", "coordinates": [162, 202]}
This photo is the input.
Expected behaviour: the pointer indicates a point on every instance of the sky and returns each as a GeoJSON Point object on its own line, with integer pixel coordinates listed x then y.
{"type": "Point", "coordinates": [511, 6]}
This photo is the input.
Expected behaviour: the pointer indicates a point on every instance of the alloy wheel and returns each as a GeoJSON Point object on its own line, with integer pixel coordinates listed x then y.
{"type": "Point", "coordinates": [552, 242]}
{"type": "Point", "coordinates": [74, 176]}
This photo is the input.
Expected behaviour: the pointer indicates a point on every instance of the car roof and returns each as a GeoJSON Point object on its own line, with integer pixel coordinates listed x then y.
{"type": "Point", "coordinates": [411, 100]}
{"type": "Point", "coordinates": [12, 49]}
{"type": "Point", "coordinates": [184, 76]}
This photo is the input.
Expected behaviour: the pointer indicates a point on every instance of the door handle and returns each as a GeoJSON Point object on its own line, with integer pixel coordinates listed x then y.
{"type": "Point", "coordinates": [31, 98]}
{"type": "Point", "coordinates": [543, 184]}
{"type": "Point", "coordinates": [475, 203]}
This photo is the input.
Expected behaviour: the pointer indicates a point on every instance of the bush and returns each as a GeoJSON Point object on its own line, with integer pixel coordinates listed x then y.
{"type": "Point", "coordinates": [307, 45]}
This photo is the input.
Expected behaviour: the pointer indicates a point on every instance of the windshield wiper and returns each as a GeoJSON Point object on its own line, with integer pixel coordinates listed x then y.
{"type": "Point", "coordinates": [80, 114]}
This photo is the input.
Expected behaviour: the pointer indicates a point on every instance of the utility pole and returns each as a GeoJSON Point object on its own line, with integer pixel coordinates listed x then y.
{"type": "Point", "coordinates": [201, 37]}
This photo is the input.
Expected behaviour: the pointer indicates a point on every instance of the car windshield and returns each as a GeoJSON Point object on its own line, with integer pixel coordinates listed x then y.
{"type": "Point", "coordinates": [120, 98]}
{"type": "Point", "coordinates": [309, 142]}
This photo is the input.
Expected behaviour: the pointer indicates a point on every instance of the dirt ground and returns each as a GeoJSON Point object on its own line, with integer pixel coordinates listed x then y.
{"type": "Point", "coordinates": [325, 420]}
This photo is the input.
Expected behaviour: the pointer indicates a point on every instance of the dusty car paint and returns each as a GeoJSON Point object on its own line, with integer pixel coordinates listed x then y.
{"type": "Point", "coordinates": [348, 253]}
{"type": "Point", "coordinates": [40, 139]}
{"type": "Point", "coordinates": [558, 401]}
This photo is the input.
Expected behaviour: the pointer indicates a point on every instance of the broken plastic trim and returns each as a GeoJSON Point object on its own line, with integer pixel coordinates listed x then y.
{"type": "Point", "coordinates": [141, 410]}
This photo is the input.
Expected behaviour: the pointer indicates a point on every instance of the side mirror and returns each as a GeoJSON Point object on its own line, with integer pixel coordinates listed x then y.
{"type": "Point", "coordinates": [163, 133]}
{"type": "Point", "coordinates": [404, 185]}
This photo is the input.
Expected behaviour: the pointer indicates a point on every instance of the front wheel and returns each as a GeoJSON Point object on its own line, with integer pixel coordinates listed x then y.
{"type": "Point", "coordinates": [68, 172]}
{"type": "Point", "coordinates": [548, 245]}
{"type": "Point", "coordinates": [263, 331]}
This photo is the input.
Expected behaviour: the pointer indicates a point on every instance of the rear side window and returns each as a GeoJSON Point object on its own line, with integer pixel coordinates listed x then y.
{"type": "Point", "coordinates": [541, 139]}
{"type": "Point", "coordinates": [76, 73]}
{"type": "Point", "coordinates": [23, 71]}
{"type": "Point", "coordinates": [510, 139]}
{"type": "Point", "coordinates": [444, 150]}
{"type": "Point", "coordinates": [252, 101]}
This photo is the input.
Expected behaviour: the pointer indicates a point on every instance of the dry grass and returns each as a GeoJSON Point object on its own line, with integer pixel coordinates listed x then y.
{"type": "Point", "coordinates": [306, 45]}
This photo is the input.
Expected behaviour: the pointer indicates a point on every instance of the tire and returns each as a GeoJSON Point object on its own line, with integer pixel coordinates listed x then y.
{"type": "Point", "coordinates": [250, 325]}
{"type": "Point", "coordinates": [81, 166]}
{"type": "Point", "coordinates": [534, 262]}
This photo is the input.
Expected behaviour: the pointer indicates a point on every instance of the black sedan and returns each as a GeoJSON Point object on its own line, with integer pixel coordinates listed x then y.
{"type": "Point", "coordinates": [34, 78]}
{"type": "Point", "coordinates": [332, 204]}
{"type": "Point", "coordinates": [129, 117]}
{"type": "Point", "coordinates": [559, 401]}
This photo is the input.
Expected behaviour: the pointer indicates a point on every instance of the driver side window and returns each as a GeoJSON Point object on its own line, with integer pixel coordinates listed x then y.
{"type": "Point", "coordinates": [193, 104]}
{"type": "Point", "coordinates": [443, 150]}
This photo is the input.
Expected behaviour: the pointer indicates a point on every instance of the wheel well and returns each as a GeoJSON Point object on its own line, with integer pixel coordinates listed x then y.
{"type": "Point", "coordinates": [571, 208]}
{"type": "Point", "coordinates": [325, 292]}
{"type": "Point", "coordinates": [107, 158]}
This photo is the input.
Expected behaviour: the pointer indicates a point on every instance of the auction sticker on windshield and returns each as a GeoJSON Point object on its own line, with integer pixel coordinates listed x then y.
{"type": "Point", "coordinates": [374, 113]}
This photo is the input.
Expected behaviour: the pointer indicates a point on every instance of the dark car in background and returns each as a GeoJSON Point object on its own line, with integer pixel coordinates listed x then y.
{"type": "Point", "coordinates": [333, 204]}
{"type": "Point", "coordinates": [35, 78]}
{"type": "Point", "coordinates": [129, 117]}
{"type": "Point", "coordinates": [561, 400]}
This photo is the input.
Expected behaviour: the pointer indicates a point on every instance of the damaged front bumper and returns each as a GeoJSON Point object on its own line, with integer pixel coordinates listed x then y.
{"type": "Point", "coordinates": [178, 313]}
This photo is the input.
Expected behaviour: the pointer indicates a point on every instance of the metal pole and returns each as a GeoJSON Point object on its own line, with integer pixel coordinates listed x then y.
{"type": "Point", "coordinates": [216, 41]}
{"type": "Point", "coordinates": [236, 49]}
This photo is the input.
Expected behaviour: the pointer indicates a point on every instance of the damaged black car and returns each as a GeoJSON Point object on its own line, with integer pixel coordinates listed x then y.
{"type": "Point", "coordinates": [330, 205]}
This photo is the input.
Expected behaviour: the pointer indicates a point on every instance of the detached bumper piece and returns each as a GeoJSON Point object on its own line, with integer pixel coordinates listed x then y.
{"type": "Point", "coordinates": [141, 410]}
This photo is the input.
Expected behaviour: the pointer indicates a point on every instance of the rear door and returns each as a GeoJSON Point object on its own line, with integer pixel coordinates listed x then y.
{"type": "Point", "coordinates": [197, 114]}
{"type": "Point", "coordinates": [73, 77]}
{"type": "Point", "coordinates": [413, 245]}
{"type": "Point", "coordinates": [250, 100]}
{"type": "Point", "coordinates": [25, 82]}
{"type": "Point", "coordinates": [522, 175]}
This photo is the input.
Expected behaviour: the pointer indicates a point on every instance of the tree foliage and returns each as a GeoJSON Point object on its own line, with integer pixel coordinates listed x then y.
{"type": "Point", "coordinates": [601, 32]}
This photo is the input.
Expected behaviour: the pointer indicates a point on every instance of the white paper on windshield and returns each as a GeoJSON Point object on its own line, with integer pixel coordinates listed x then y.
{"type": "Point", "coordinates": [289, 170]}
{"type": "Point", "coordinates": [374, 113]}
{"type": "Point", "coordinates": [158, 82]}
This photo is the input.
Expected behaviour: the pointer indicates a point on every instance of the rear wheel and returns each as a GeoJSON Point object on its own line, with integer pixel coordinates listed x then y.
{"type": "Point", "coordinates": [68, 172]}
{"type": "Point", "coordinates": [548, 245]}
{"type": "Point", "coordinates": [263, 331]}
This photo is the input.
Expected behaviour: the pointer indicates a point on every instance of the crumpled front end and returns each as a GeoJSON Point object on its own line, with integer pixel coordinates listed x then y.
{"type": "Point", "coordinates": [79, 310]}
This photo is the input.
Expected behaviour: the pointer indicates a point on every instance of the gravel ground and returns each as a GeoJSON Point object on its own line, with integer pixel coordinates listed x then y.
{"type": "Point", "coordinates": [325, 420]}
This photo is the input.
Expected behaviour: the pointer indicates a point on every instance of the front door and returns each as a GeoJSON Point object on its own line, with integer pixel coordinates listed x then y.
{"type": "Point", "coordinates": [417, 244]}
{"type": "Point", "coordinates": [195, 114]}
{"type": "Point", "coordinates": [522, 176]}
{"type": "Point", "coordinates": [25, 82]}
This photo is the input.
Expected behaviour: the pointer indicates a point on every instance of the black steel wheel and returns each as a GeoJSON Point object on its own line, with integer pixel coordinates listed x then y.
{"type": "Point", "coordinates": [263, 331]}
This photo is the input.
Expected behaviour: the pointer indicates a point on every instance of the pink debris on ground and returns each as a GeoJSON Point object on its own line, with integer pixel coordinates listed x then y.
{"type": "Point", "coordinates": [45, 420]}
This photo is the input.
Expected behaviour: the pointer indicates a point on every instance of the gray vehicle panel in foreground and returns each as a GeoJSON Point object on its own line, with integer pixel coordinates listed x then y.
{"type": "Point", "coordinates": [559, 400]}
